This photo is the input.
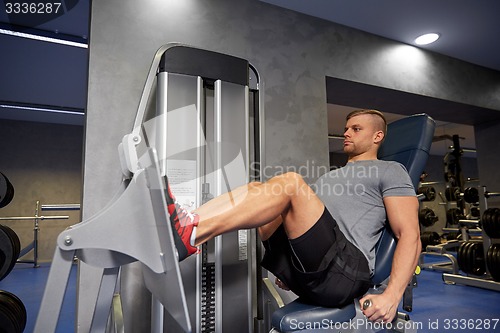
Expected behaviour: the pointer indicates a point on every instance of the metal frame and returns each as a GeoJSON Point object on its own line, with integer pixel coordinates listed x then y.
{"type": "Point", "coordinates": [140, 214]}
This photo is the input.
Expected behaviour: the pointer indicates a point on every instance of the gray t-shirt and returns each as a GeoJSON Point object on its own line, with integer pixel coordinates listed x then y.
{"type": "Point", "coordinates": [354, 196]}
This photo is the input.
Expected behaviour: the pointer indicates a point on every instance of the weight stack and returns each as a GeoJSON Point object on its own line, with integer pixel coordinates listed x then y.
{"type": "Point", "coordinates": [207, 294]}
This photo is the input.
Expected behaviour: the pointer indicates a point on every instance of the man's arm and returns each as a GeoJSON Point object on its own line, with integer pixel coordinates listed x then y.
{"type": "Point", "coordinates": [402, 213]}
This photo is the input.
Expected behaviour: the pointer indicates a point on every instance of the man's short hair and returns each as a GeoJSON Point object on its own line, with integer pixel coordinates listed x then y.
{"type": "Point", "coordinates": [381, 125]}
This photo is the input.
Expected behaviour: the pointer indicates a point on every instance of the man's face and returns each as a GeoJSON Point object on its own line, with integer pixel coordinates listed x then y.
{"type": "Point", "coordinates": [359, 134]}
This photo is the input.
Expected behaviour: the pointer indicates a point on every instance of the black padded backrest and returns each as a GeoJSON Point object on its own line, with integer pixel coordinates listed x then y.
{"type": "Point", "coordinates": [408, 142]}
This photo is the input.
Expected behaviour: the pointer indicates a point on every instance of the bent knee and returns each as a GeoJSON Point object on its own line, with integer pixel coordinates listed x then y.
{"type": "Point", "coordinates": [253, 184]}
{"type": "Point", "coordinates": [292, 176]}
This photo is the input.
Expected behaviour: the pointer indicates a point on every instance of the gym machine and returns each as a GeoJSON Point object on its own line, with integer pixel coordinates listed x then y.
{"type": "Point", "coordinates": [199, 122]}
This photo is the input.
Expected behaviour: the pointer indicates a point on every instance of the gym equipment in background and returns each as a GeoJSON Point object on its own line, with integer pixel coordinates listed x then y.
{"type": "Point", "coordinates": [13, 314]}
{"type": "Point", "coordinates": [478, 258]}
{"type": "Point", "coordinates": [460, 199]}
{"type": "Point", "coordinates": [12, 311]}
{"type": "Point", "coordinates": [6, 191]}
{"type": "Point", "coordinates": [36, 229]}
{"type": "Point", "coordinates": [9, 250]}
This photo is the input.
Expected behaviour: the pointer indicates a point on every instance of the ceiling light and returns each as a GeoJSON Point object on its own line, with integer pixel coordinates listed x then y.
{"type": "Point", "coordinates": [42, 38]}
{"type": "Point", "coordinates": [427, 39]}
{"type": "Point", "coordinates": [42, 109]}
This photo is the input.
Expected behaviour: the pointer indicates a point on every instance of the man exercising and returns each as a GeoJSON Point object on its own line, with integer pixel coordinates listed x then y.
{"type": "Point", "coordinates": [320, 244]}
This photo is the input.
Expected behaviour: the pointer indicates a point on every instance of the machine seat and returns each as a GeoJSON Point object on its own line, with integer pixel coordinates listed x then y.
{"type": "Point", "coordinates": [288, 317]}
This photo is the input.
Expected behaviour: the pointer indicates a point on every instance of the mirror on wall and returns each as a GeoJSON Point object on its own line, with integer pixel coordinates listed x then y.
{"type": "Point", "coordinates": [443, 208]}
{"type": "Point", "coordinates": [442, 143]}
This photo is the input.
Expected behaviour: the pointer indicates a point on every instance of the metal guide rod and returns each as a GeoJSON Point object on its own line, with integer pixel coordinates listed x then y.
{"type": "Point", "coordinates": [250, 311]}
{"type": "Point", "coordinates": [55, 217]}
{"type": "Point", "coordinates": [200, 156]}
{"type": "Point", "coordinates": [261, 162]}
{"type": "Point", "coordinates": [218, 192]}
{"type": "Point", "coordinates": [161, 120]}
{"type": "Point", "coordinates": [61, 207]}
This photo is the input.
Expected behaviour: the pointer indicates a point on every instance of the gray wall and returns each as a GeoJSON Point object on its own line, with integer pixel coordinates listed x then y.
{"type": "Point", "coordinates": [293, 52]}
{"type": "Point", "coordinates": [43, 162]}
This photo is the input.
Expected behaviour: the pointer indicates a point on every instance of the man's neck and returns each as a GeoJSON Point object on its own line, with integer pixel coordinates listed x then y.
{"type": "Point", "coordinates": [362, 157]}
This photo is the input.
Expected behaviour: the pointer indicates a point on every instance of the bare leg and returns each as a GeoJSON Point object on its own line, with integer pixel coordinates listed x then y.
{"type": "Point", "coordinates": [227, 201]}
{"type": "Point", "coordinates": [224, 202]}
{"type": "Point", "coordinates": [266, 230]}
{"type": "Point", "coordinates": [286, 196]}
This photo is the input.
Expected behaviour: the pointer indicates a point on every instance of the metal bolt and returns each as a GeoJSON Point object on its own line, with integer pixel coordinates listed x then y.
{"type": "Point", "coordinates": [136, 138]}
{"type": "Point", "coordinates": [68, 241]}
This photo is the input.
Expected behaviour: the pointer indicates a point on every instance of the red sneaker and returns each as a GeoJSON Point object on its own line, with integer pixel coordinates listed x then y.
{"type": "Point", "coordinates": [183, 223]}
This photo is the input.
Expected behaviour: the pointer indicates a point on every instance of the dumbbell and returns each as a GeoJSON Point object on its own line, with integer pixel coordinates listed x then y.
{"type": "Point", "coordinates": [493, 261]}
{"type": "Point", "coordinates": [427, 217]}
{"type": "Point", "coordinates": [470, 194]}
{"type": "Point", "coordinates": [428, 191]}
{"type": "Point", "coordinates": [12, 313]}
{"type": "Point", "coordinates": [491, 222]}
{"type": "Point", "coordinates": [452, 193]}
{"type": "Point", "coordinates": [6, 191]}
{"type": "Point", "coordinates": [470, 257]}
{"type": "Point", "coordinates": [10, 248]}
{"type": "Point", "coordinates": [429, 238]}
{"type": "Point", "coordinates": [453, 215]}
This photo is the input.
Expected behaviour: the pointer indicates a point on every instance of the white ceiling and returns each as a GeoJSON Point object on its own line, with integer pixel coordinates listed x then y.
{"type": "Point", "coordinates": [469, 28]}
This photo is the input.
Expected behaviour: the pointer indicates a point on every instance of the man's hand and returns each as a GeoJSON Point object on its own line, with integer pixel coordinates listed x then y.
{"type": "Point", "coordinates": [382, 309]}
{"type": "Point", "coordinates": [280, 284]}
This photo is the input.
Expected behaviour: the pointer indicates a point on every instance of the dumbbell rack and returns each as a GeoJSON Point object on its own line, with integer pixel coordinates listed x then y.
{"type": "Point", "coordinates": [427, 193]}
{"type": "Point", "coordinates": [485, 280]}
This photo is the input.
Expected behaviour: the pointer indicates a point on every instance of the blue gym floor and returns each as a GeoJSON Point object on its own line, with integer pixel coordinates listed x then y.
{"type": "Point", "coordinates": [437, 307]}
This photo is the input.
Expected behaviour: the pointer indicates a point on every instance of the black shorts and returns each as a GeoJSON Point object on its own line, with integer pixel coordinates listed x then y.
{"type": "Point", "coordinates": [341, 272]}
